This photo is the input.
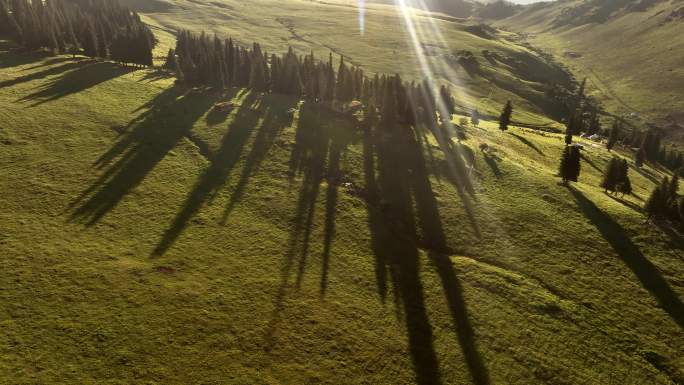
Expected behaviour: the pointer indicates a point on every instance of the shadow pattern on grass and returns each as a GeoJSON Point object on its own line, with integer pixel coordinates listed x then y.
{"type": "Point", "coordinates": [275, 120]}
{"type": "Point", "coordinates": [647, 273]}
{"type": "Point", "coordinates": [42, 74]}
{"type": "Point", "coordinates": [215, 176]}
{"type": "Point", "coordinates": [403, 217]}
{"type": "Point", "coordinates": [168, 118]}
{"type": "Point", "coordinates": [11, 56]}
{"type": "Point", "coordinates": [315, 157]}
{"type": "Point", "coordinates": [528, 143]}
{"type": "Point", "coordinates": [87, 75]}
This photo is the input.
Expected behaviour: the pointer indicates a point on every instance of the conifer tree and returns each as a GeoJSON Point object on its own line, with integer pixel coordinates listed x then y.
{"type": "Point", "coordinates": [614, 135]}
{"type": "Point", "coordinates": [505, 117]}
{"type": "Point", "coordinates": [89, 42]}
{"type": "Point", "coordinates": [639, 157]}
{"type": "Point", "coordinates": [594, 123]}
{"type": "Point", "coordinates": [624, 185]}
{"type": "Point", "coordinates": [611, 175]}
{"type": "Point", "coordinates": [475, 118]}
{"type": "Point", "coordinates": [657, 203]}
{"type": "Point", "coordinates": [580, 93]}
{"type": "Point", "coordinates": [569, 169]}
{"type": "Point", "coordinates": [170, 63]}
{"type": "Point", "coordinates": [448, 100]}
{"type": "Point", "coordinates": [568, 135]}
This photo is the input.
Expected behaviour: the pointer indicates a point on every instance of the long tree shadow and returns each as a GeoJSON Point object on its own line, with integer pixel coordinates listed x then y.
{"type": "Point", "coordinates": [216, 175]}
{"type": "Point", "coordinates": [320, 142]}
{"type": "Point", "coordinates": [86, 75]}
{"type": "Point", "coordinates": [492, 162]}
{"type": "Point", "coordinates": [308, 157]}
{"type": "Point", "coordinates": [626, 203]}
{"type": "Point", "coordinates": [276, 119]}
{"type": "Point", "coordinates": [528, 143]}
{"type": "Point", "coordinates": [647, 273]}
{"type": "Point", "coordinates": [338, 143]}
{"type": "Point", "coordinates": [52, 61]}
{"type": "Point", "coordinates": [148, 139]}
{"type": "Point", "coordinates": [10, 58]}
{"type": "Point", "coordinates": [590, 162]}
{"type": "Point", "coordinates": [37, 75]}
{"type": "Point", "coordinates": [402, 179]}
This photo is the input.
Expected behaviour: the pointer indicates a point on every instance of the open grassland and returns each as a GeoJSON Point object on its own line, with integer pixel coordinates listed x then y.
{"type": "Point", "coordinates": [146, 238]}
{"type": "Point", "coordinates": [632, 60]}
{"type": "Point", "coordinates": [381, 43]}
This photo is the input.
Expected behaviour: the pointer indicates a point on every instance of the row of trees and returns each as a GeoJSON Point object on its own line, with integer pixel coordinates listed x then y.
{"type": "Point", "coordinates": [201, 59]}
{"type": "Point", "coordinates": [96, 28]}
{"type": "Point", "coordinates": [585, 119]}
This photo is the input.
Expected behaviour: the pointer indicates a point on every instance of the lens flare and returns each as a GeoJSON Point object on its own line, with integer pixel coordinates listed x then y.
{"type": "Point", "coordinates": [362, 16]}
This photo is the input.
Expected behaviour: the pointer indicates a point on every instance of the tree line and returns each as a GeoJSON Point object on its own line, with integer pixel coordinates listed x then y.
{"type": "Point", "coordinates": [201, 59]}
{"type": "Point", "coordinates": [96, 28]}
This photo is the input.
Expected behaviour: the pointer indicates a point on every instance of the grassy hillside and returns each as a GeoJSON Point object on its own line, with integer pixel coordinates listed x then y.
{"type": "Point", "coordinates": [146, 238]}
{"type": "Point", "coordinates": [379, 43]}
{"type": "Point", "coordinates": [630, 51]}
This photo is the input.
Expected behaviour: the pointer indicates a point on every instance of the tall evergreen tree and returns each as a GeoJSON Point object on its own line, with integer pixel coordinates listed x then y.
{"type": "Point", "coordinates": [639, 157]}
{"type": "Point", "coordinates": [89, 40]}
{"type": "Point", "coordinates": [657, 203]}
{"type": "Point", "coordinates": [570, 167]}
{"type": "Point", "coordinates": [475, 118]}
{"type": "Point", "coordinates": [568, 135]}
{"type": "Point", "coordinates": [614, 135]}
{"type": "Point", "coordinates": [611, 175]}
{"type": "Point", "coordinates": [624, 185]}
{"type": "Point", "coordinates": [505, 117]}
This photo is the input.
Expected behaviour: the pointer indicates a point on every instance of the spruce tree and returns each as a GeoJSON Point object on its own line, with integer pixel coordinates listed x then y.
{"type": "Point", "coordinates": [475, 118]}
{"type": "Point", "coordinates": [580, 93]}
{"type": "Point", "coordinates": [611, 175]}
{"type": "Point", "coordinates": [613, 136]}
{"type": "Point", "coordinates": [89, 41]}
{"type": "Point", "coordinates": [624, 185]}
{"type": "Point", "coordinates": [570, 167]}
{"type": "Point", "coordinates": [639, 157]}
{"type": "Point", "coordinates": [568, 135]}
{"type": "Point", "coordinates": [170, 62]}
{"type": "Point", "coordinates": [657, 203]}
{"type": "Point", "coordinates": [505, 117]}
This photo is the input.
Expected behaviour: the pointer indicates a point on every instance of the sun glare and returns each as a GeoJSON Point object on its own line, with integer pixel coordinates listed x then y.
{"type": "Point", "coordinates": [362, 17]}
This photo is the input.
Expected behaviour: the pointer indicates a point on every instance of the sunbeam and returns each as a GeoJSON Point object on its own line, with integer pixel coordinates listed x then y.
{"type": "Point", "coordinates": [362, 17]}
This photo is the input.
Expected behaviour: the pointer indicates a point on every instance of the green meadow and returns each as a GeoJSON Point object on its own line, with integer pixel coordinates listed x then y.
{"type": "Point", "coordinates": [147, 237]}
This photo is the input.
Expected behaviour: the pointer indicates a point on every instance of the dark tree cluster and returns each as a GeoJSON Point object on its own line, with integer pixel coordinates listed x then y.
{"type": "Point", "coordinates": [570, 164]}
{"type": "Point", "coordinates": [505, 117]}
{"type": "Point", "coordinates": [651, 149]}
{"type": "Point", "coordinates": [616, 177]}
{"type": "Point", "coordinates": [583, 115]}
{"type": "Point", "coordinates": [665, 201]}
{"type": "Point", "coordinates": [203, 60]}
{"type": "Point", "coordinates": [97, 28]}
{"type": "Point", "coordinates": [614, 135]}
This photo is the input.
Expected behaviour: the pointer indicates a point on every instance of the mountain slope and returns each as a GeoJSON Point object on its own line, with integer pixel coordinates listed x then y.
{"type": "Point", "coordinates": [460, 53]}
{"type": "Point", "coordinates": [148, 238]}
{"type": "Point", "coordinates": [631, 51]}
